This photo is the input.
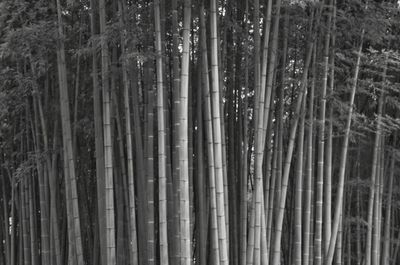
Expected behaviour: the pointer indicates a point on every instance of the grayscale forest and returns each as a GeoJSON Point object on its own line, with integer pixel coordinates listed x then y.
{"type": "Point", "coordinates": [199, 132]}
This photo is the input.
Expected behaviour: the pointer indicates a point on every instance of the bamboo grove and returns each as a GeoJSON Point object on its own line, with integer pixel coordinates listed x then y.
{"type": "Point", "coordinates": [242, 132]}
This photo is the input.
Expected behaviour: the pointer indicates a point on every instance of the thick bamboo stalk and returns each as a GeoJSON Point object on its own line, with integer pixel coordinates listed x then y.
{"type": "Point", "coordinates": [140, 166]}
{"type": "Point", "coordinates": [358, 209]}
{"type": "Point", "coordinates": [55, 230]}
{"type": "Point", "coordinates": [267, 81]}
{"type": "Point", "coordinates": [149, 156]}
{"type": "Point", "coordinates": [217, 133]}
{"type": "Point", "coordinates": [339, 244]}
{"type": "Point", "coordinates": [214, 244]}
{"type": "Point", "coordinates": [162, 163]}
{"type": "Point", "coordinates": [175, 231]}
{"type": "Point", "coordinates": [185, 242]}
{"type": "Point", "coordinates": [24, 224]}
{"type": "Point", "coordinates": [375, 160]}
{"type": "Point", "coordinates": [99, 151]}
{"type": "Point", "coordinates": [108, 152]}
{"type": "Point", "coordinates": [200, 183]}
{"type": "Point", "coordinates": [309, 173]}
{"type": "Point", "coordinates": [299, 189]}
{"type": "Point", "coordinates": [32, 222]}
{"type": "Point", "coordinates": [324, 182]}
{"type": "Point", "coordinates": [43, 201]}
{"type": "Point", "coordinates": [243, 178]}
{"type": "Point", "coordinates": [329, 141]}
{"type": "Point", "coordinates": [119, 161]}
{"type": "Point", "coordinates": [259, 150]}
{"type": "Point", "coordinates": [6, 227]}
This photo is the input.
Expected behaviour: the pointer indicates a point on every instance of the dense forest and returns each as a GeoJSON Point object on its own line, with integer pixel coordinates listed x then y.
{"type": "Point", "coordinates": [242, 132]}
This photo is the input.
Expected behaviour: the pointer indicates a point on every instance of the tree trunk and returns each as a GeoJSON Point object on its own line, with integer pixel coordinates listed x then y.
{"type": "Point", "coordinates": [183, 137]}
{"type": "Point", "coordinates": [108, 152]}
{"type": "Point", "coordinates": [162, 163]}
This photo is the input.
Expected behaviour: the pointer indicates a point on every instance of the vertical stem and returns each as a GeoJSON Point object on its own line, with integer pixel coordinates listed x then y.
{"type": "Point", "coordinates": [108, 152]}
{"type": "Point", "coordinates": [388, 216]}
{"type": "Point", "coordinates": [183, 137]}
{"type": "Point", "coordinates": [162, 163]}
{"type": "Point", "coordinates": [216, 114]}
